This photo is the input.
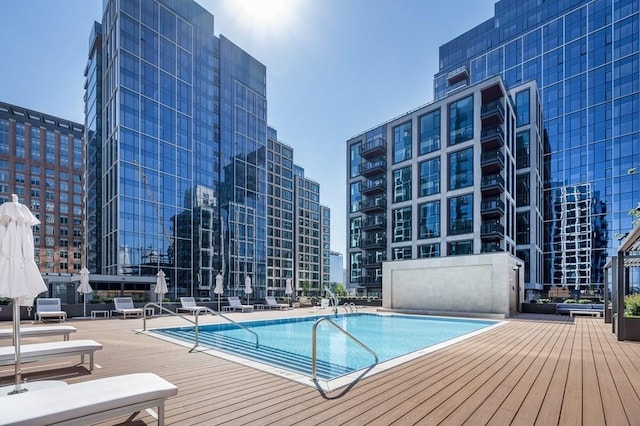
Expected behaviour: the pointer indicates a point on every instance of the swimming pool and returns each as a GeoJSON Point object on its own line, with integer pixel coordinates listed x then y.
{"type": "Point", "coordinates": [287, 343]}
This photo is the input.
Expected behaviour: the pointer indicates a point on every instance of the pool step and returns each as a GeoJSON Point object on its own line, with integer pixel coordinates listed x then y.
{"type": "Point", "coordinates": [266, 354]}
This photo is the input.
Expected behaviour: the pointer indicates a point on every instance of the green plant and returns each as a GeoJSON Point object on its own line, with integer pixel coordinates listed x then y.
{"type": "Point", "coordinates": [632, 305]}
{"type": "Point", "coordinates": [584, 301]}
{"type": "Point", "coordinates": [544, 300]}
{"type": "Point", "coordinates": [4, 301]}
{"type": "Point", "coordinates": [570, 301]}
{"type": "Point", "coordinates": [95, 300]}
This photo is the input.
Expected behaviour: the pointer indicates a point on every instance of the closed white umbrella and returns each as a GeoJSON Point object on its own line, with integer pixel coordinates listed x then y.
{"type": "Point", "coordinates": [161, 285]}
{"type": "Point", "coordinates": [84, 288]}
{"type": "Point", "coordinates": [218, 288]}
{"type": "Point", "coordinates": [247, 287]}
{"type": "Point", "coordinates": [20, 278]}
{"type": "Point", "coordinates": [288, 289]}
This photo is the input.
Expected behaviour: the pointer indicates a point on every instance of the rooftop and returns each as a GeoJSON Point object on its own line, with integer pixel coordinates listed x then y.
{"type": "Point", "coordinates": [544, 369]}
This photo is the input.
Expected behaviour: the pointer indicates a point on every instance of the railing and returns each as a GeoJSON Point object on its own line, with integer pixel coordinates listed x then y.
{"type": "Point", "coordinates": [195, 323]}
{"type": "Point", "coordinates": [314, 358]}
{"type": "Point", "coordinates": [334, 299]}
{"type": "Point", "coordinates": [350, 308]}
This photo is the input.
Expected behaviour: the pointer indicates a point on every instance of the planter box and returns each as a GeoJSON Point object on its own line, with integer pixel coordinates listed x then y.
{"type": "Point", "coordinates": [607, 316]}
{"type": "Point", "coordinates": [539, 308]}
{"type": "Point", "coordinates": [631, 329]}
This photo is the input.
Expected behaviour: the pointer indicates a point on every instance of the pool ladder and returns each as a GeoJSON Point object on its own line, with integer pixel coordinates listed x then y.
{"type": "Point", "coordinates": [314, 357]}
{"type": "Point", "coordinates": [350, 308]}
{"type": "Point", "coordinates": [195, 323]}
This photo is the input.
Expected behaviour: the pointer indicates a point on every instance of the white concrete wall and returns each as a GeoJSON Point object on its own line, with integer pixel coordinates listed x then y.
{"type": "Point", "coordinates": [475, 284]}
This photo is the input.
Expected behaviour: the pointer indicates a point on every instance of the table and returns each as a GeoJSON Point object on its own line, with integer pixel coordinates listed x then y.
{"type": "Point", "coordinates": [149, 312]}
{"type": "Point", "coordinates": [104, 314]}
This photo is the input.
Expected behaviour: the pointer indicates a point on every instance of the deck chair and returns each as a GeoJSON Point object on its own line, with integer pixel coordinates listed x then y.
{"type": "Point", "coordinates": [189, 305]}
{"type": "Point", "coordinates": [49, 308]}
{"type": "Point", "coordinates": [236, 305]}
{"type": "Point", "coordinates": [273, 304]}
{"type": "Point", "coordinates": [304, 301]}
{"type": "Point", "coordinates": [124, 306]}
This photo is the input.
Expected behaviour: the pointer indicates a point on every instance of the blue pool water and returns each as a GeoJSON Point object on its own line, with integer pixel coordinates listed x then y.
{"type": "Point", "coordinates": [286, 343]}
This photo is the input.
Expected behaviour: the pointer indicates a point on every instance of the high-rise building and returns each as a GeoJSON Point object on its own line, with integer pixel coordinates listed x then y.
{"type": "Point", "coordinates": [41, 162]}
{"type": "Point", "coordinates": [584, 56]}
{"type": "Point", "coordinates": [458, 176]}
{"type": "Point", "coordinates": [176, 143]}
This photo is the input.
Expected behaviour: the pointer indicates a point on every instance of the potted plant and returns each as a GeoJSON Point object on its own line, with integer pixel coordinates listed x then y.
{"type": "Point", "coordinates": [632, 317]}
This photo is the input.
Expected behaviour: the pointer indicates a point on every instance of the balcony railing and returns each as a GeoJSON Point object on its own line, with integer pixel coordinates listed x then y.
{"type": "Point", "coordinates": [374, 222]}
{"type": "Point", "coordinates": [492, 137]}
{"type": "Point", "coordinates": [492, 230]}
{"type": "Point", "coordinates": [492, 207]}
{"type": "Point", "coordinates": [492, 112]}
{"type": "Point", "coordinates": [371, 204]}
{"type": "Point", "coordinates": [373, 186]}
{"type": "Point", "coordinates": [373, 242]}
{"type": "Point", "coordinates": [373, 168]}
{"type": "Point", "coordinates": [492, 161]}
{"type": "Point", "coordinates": [492, 184]}
{"type": "Point", "coordinates": [373, 147]}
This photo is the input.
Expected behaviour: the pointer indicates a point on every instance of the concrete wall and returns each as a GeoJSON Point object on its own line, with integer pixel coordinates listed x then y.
{"type": "Point", "coordinates": [476, 284]}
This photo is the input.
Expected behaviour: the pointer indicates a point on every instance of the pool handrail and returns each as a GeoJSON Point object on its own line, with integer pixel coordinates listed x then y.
{"type": "Point", "coordinates": [195, 323]}
{"type": "Point", "coordinates": [350, 308]}
{"type": "Point", "coordinates": [345, 332]}
{"type": "Point", "coordinates": [334, 298]}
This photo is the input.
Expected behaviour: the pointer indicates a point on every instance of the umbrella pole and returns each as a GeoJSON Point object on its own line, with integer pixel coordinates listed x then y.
{"type": "Point", "coordinates": [218, 302]}
{"type": "Point", "coordinates": [84, 305]}
{"type": "Point", "coordinates": [16, 345]}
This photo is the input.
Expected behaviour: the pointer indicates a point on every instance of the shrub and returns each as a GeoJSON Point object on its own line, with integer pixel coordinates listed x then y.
{"type": "Point", "coordinates": [584, 301]}
{"type": "Point", "coordinates": [4, 301]}
{"type": "Point", "coordinates": [632, 305]}
{"type": "Point", "coordinates": [570, 301]}
{"type": "Point", "coordinates": [544, 300]}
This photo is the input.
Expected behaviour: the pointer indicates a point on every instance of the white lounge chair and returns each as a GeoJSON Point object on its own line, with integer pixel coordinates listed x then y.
{"type": "Point", "coordinates": [54, 330]}
{"type": "Point", "coordinates": [189, 305]}
{"type": "Point", "coordinates": [40, 351]}
{"type": "Point", "coordinates": [124, 306]}
{"type": "Point", "coordinates": [88, 402]}
{"type": "Point", "coordinates": [236, 305]}
{"type": "Point", "coordinates": [49, 308]}
{"type": "Point", "coordinates": [273, 304]}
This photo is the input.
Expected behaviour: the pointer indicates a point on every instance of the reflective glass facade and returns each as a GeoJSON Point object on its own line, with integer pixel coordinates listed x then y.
{"type": "Point", "coordinates": [584, 56]}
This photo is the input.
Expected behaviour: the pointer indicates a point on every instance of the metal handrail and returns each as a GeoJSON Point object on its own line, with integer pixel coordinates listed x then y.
{"type": "Point", "coordinates": [350, 307]}
{"type": "Point", "coordinates": [195, 323]}
{"type": "Point", "coordinates": [345, 332]}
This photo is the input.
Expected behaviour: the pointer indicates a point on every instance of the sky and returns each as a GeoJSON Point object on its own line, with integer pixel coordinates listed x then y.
{"type": "Point", "coordinates": [335, 68]}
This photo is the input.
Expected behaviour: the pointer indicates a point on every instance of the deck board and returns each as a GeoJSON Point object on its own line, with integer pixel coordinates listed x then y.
{"type": "Point", "coordinates": [535, 369]}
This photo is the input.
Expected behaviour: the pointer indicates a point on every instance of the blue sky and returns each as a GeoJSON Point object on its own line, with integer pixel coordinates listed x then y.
{"type": "Point", "coordinates": [335, 68]}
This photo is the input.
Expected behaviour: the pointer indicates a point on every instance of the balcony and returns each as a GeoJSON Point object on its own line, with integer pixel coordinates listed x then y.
{"type": "Point", "coordinates": [372, 262]}
{"type": "Point", "coordinates": [492, 184]}
{"type": "Point", "coordinates": [373, 168]}
{"type": "Point", "coordinates": [492, 231]}
{"type": "Point", "coordinates": [493, 207]}
{"type": "Point", "coordinates": [369, 205]}
{"type": "Point", "coordinates": [459, 74]}
{"type": "Point", "coordinates": [492, 161]}
{"type": "Point", "coordinates": [373, 242]}
{"type": "Point", "coordinates": [492, 138]}
{"type": "Point", "coordinates": [376, 186]}
{"type": "Point", "coordinates": [374, 222]}
{"type": "Point", "coordinates": [491, 247]}
{"type": "Point", "coordinates": [373, 148]}
{"type": "Point", "coordinates": [492, 113]}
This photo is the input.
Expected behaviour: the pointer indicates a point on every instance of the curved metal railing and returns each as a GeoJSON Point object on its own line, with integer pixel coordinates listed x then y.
{"type": "Point", "coordinates": [314, 357]}
{"type": "Point", "coordinates": [350, 308]}
{"type": "Point", "coordinates": [195, 323]}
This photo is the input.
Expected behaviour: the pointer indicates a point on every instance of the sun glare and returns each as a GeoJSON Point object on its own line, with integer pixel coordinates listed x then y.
{"type": "Point", "coordinates": [265, 12]}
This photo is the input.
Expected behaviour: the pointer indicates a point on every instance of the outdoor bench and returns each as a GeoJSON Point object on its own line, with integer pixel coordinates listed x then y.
{"type": "Point", "coordinates": [40, 351]}
{"type": "Point", "coordinates": [53, 330]}
{"type": "Point", "coordinates": [580, 308]}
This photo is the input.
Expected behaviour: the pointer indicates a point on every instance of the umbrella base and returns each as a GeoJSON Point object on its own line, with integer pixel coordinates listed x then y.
{"type": "Point", "coordinates": [31, 386]}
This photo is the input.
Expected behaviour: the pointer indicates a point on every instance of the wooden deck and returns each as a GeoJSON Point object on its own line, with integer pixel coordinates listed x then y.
{"type": "Point", "coordinates": [537, 369]}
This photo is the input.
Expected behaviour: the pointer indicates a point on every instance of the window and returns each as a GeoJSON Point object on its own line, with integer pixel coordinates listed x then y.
{"type": "Point", "coordinates": [402, 185]}
{"type": "Point", "coordinates": [356, 198]}
{"type": "Point", "coordinates": [402, 142]}
{"type": "Point", "coordinates": [461, 169]}
{"type": "Point", "coordinates": [457, 248]}
{"type": "Point", "coordinates": [522, 108]}
{"type": "Point", "coordinates": [402, 253]}
{"type": "Point", "coordinates": [354, 161]}
{"type": "Point", "coordinates": [522, 150]}
{"type": "Point", "coordinates": [461, 120]}
{"type": "Point", "coordinates": [20, 150]}
{"type": "Point", "coordinates": [461, 215]}
{"type": "Point", "coordinates": [522, 190]}
{"type": "Point", "coordinates": [430, 177]}
{"type": "Point", "coordinates": [522, 228]}
{"type": "Point", "coordinates": [355, 233]}
{"type": "Point", "coordinates": [429, 250]}
{"type": "Point", "coordinates": [430, 132]}
{"type": "Point", "coordinates": [402, 224]}
{"type": "Point", "coordinates": [429, 218]}
{"type": "Point", "coordinates": [4, 137]}
{"type": "Point", "coordinates": [35, 144]}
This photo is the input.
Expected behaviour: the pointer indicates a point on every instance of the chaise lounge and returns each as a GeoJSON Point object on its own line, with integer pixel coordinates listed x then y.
{"type": "Point", "coordinates": [273, 304]}
{"type": "Point", "coordinates": [49, 308]}
{"type": "Point", "coordinates": [49, 350]}
{"type": "Point", "coordinates": [124, 306]}
{"type": "Point", "coordinates": [54, 330]}
{"type": "Point", "coordinates": [189, 305]}
{"type": "Point", "coordinates": [88, 402]}
{"type": "Point", "coordinates": [236, 305]}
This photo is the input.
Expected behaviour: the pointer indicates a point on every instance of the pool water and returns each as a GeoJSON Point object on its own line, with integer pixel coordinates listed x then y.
{"type": "Point", "coordinates": [287, 343]}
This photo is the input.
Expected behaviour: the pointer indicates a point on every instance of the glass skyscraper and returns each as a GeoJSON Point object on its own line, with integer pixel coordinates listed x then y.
{"type": "Point", "coordinates": [584, 56]}
{"type": "Point", "coordinates": [176, 147]}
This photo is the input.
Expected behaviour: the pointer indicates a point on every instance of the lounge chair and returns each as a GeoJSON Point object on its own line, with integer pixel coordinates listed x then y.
{"type": "Point", "coordinates": [40, 351]}
{"type": "Point", "coordinates": [236, 305]}
{"type": "Point", "coordinates": [124, 306]}
{"type": "Point", "coordinates": [304, 301]}
{"type": "Point", "coordinates": [54, 330]}
{"type": "Point", "coordinates": [189, 305]}
{"type": "Point", "coordinates": [49, 308]}
{"type": "Point", "coordinates": [273, 304]}
{"type": "Point", "coordinates": [88, 402]}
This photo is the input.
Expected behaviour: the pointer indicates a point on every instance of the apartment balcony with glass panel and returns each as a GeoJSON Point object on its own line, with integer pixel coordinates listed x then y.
{"type": "Point", "coordinates": [492, 207]}
{"type": "Point", "coordinates": [374, 222]}
{"type": "Point", "coordinates": [369, 205]}
{"type": "Point", "coordinates": [370, 169]}
{"type": "Point", "coordinates": [492, 231]}
{"type": "Point", "coordinates": [492, 137]}
{"type": "Point", "coordinates": [373, 241]}
{"type": "Point", "coordinates": [491, 247]}
{"type": "Point", "coordinates": [492, 184]}
{"type": "Point", "coordinates": [375, 186]}
{"type": "Point", "coordinates": [492, 161]}
{"type": "Point", "coordinates": [373, 148]}
{"type": "Point", "coordinates": [492, 113]}
{"type": "Point", "coordinates": [372, 261]}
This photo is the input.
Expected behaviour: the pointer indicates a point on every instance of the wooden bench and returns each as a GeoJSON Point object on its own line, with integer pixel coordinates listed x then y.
{"type": "Point", "coordinates": [88, 402]}
{"type": "Point", "coordinates": [54, 330]}
{"type": "Point", "coordinates": [40, 351]}
{"type": "Point", "coordinates": [595, 312]}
